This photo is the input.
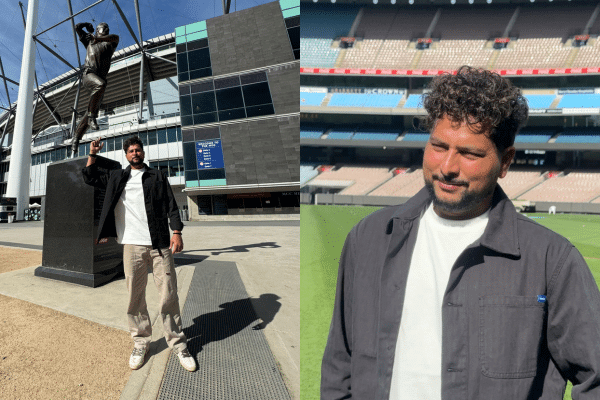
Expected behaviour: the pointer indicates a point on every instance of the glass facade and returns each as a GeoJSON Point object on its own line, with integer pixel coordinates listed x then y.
{"type": "Point", "coordinates": [225, 99]}
{"type": "Point", "coordinates": [193, 55]}
{"type": "Point", "coordinates": [291, 14]}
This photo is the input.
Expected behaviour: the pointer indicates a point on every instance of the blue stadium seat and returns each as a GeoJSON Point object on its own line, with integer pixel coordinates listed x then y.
{"type": "Point", "coordinates": [416, 137]}
{"type": "Point", "coordinates": [383, 100]}
{"type": "Point", "coordinates": [339, 135]}
{"type": "Point", "coordinates": [311, 99]}
{"type": "Point", "coordinates": [414, 101]}
{"type": "Point", "coordinates": [521, 138]}
{"type": "Point", "coordinates": [347, 100]}
{"type": "Point", "coordinates": [532, 136]}
{"type": "Point", "coordinates": [318, 53]}
{"type": "Point", "coordinates": [310, 134]}
{"type": "Point", "coordinates": [579, 136]}
{"type": "Point", "coordinates": [579, 100]}
{"type": "Point", "coordinates": [375, 136]}
{"type": "Point", "coordinates": [539, 100]}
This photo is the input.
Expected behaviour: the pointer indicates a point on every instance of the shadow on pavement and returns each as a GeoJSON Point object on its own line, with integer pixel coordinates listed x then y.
{"type": "Point", "coordinates": [242, 248]}
{"type": "Point", "coordinates": [233, 317]}
{"type": "Point", "coordinates": [182, 259]}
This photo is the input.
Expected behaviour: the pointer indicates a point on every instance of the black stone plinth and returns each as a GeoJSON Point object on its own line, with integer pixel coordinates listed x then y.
{"type": "Point", "coordinates": [71, 224]}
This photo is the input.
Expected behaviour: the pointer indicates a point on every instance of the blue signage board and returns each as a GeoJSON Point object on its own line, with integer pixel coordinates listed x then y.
{"type": "Point", "coordinates": [209, 154]}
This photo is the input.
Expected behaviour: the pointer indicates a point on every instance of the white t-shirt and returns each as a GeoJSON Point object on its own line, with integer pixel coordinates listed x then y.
{"type": "Point", "coordinates": [130, 212]}
{"type": "Point", "coordinates": [418, 361]}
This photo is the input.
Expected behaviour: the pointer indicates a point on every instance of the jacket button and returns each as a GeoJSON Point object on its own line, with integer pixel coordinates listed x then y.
{"type": "Point", "coordinates": [389, 347]}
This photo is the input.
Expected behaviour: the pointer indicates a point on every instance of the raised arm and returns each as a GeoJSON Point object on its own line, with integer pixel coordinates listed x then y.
{"type": "Point", "coordinates": [84, 37]}
{"type": "Point", "coordinates": [91, 175]}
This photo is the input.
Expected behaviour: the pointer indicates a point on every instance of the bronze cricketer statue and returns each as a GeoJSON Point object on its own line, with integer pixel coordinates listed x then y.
{"type": "Point", "coordinates": [100, 48]}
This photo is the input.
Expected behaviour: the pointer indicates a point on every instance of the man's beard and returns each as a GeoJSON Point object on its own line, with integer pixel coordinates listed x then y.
{"type": "Point", "coordinates": [469, 200]}
{"type": "Point", "coordinates": [138, 163]}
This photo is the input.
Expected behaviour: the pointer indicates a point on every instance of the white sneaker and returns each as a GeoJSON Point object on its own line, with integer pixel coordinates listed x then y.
{"type": "Point", "coordinates": [186, 360]}
{"type": "Point", "coordinates": [137, 357]}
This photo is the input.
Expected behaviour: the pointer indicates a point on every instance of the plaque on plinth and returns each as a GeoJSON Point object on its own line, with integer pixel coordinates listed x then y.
{"type": "Point", "coordinates": [71, 224]}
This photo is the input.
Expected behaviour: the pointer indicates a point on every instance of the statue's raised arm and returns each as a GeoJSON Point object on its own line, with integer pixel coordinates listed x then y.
{"type": "Point", "coordinates": [99, 50]}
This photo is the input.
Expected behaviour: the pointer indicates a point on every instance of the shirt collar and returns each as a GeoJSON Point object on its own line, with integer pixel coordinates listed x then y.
{"type": "Point", "coordinates": [500, 233]}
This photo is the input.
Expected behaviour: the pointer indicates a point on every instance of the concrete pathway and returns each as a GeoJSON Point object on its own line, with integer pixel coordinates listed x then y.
{"type": "Point", "coordinates": [267, 256]}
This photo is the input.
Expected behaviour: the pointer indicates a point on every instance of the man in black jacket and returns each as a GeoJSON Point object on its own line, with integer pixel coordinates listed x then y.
{"type": "Point", "coordinates": [137, 203]}
{"type": "Point", "coordinates": [454, 295]}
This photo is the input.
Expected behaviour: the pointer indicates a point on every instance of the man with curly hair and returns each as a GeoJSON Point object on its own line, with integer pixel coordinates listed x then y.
{"type": "Point", "coordinates": [454, 295]}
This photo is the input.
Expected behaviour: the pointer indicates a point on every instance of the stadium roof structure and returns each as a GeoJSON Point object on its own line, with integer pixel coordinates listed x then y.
{"type": "Point", "coordinates": [55, 99]}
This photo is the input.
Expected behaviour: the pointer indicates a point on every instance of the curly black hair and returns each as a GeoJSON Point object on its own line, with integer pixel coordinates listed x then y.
{"type": "Point", "coordinates": [131, 141]}
{"type": "Point", "coordinates": [483, 99]}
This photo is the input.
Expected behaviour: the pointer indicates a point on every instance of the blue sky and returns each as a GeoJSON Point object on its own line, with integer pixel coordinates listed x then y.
{"type": "Point", "coordinates": [159, 17]}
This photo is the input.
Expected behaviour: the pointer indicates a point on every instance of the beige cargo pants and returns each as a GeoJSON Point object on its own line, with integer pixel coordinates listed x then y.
{"type": "Point", "coordinates": [136, 260]}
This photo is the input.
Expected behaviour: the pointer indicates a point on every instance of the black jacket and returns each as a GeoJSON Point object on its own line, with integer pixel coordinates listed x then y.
{"type": "Point", "coordinates": [501, 338]}
{"type": "Point", "coordinates": [158, 198]}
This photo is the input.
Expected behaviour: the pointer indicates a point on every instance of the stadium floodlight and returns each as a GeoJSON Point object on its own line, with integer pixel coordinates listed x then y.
{"type": "Point", "coordinates": [374, 1]}
{"type": "Point", "coordinates": [333, 1]}
{"type": "Point", "coordinates": [489, 1]}
{"type": "Point", "coordinates": [471, 1]}
{"type": "Point", "coordinates": [393, 1]}
{"type": "Point", "coordinates": [452, 1]}
{"type": "Point", "coordinates": [411, 1]}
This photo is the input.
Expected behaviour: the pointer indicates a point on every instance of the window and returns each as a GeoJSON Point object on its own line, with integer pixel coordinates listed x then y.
{"type": "Point", "coordinates": [189, 155]}
{"type": "Point", "coordinates": [161, 136]}
{"type": "Point", "coordinates": [119, 143]}
{"type": "Point", "coordinates": [207, 133]}
{"type": "Point", "coordinates": [151, 137]}
{"type": "Point", "coordinates": [171, 135]}
{"type": "Point", "coordinates": [205, 118]}
{"type": "Point", "coordinates": [229, 98]}
{"type": "Point", "coordinates": [257, 111]}
{"type": "Point", "coordinates": [198, 59]}
{"type": "Point", "coordinates": [294, 34]}
{"type": "Point", "coordinates": [185, 105]}
{"type": "Point", "coordinates": [236, 113]}
{"type": "Point", "coordinates": [203, 102]}
{"type": "Point", "coordinates": [143, 137]}
{"type": "Point", "coordinates": [182, 63]}
{"type": "Point", "coordinates": [223, 99]}
{"type": "Point", "coordinates": [256, 94]}
{"type": "Point", "coordinates": [208, 174]}
{"type": "Point", "coordinates": [188, 135]}
{"type": "Point", "coordinates": [174, 168]}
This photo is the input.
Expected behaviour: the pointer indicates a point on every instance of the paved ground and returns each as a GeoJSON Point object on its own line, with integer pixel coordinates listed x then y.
{"type": "Point", "coordinates": [265, 252]}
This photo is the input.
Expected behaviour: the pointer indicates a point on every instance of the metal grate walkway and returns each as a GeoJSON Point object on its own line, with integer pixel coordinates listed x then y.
{"type": "Point", "coordinates": [234, 360]}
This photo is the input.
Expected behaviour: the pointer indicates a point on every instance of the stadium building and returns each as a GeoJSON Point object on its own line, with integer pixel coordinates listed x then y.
{"type": "Point", "coordinates": [218, 114]}
{"type": "Point", "coordinates": [365, 67]}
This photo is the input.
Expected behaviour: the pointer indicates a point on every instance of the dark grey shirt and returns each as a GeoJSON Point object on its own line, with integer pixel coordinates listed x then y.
{"type": "Point", "coordinates": [521, 312]}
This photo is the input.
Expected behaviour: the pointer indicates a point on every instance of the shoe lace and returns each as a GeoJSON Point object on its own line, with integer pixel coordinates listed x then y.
{"type": "Point", "coordinates": [185, 353]}
{"type": "Point", "coordinates": [137, 352]}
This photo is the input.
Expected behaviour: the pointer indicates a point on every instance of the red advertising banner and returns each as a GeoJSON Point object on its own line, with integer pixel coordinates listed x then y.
{"type": "Point", "coordinates": [432, 72]}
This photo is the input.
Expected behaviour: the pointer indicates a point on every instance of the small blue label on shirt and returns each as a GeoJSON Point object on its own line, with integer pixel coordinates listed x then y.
{"type": "Point", "coordinates": [541, 298]}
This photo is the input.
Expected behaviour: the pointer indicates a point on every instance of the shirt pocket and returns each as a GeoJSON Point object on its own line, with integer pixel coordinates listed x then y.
{"type": "Point", "coordinates": [511, 333]}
